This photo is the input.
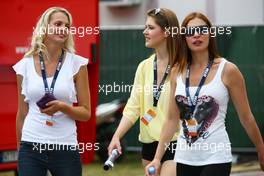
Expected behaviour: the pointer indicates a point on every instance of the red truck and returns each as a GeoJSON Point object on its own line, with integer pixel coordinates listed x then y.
{"type": "Point", "coordinates": [18, 18]}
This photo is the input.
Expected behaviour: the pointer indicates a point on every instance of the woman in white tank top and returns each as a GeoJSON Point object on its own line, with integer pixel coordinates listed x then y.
{"type": "Point", "coordinates": [46, 129]}
{"type": "Point", "coordinates": [200, 91]}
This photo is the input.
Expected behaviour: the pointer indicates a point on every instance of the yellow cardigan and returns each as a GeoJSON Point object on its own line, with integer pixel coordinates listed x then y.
{"type": "Point", "coordinates": [141, 100]}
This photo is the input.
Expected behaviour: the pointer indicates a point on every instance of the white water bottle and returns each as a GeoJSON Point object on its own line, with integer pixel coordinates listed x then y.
{"type": "Point", "coordinates": [109, 164]}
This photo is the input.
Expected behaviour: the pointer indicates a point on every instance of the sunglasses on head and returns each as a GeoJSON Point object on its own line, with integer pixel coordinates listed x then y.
{"type": "Point", "coordinates": [200, 30]}
{"type": "Point", "coordinates": [156, 11]}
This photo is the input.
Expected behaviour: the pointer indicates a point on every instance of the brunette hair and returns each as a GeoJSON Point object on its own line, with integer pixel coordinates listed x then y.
{"type": "Point", "coordinates": [167, 19]}
{"type": "Point", "coordinates": [212, 48]}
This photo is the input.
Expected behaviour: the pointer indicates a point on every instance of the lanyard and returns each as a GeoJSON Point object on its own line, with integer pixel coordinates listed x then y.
{"type": "Point", "coordinates": [157, 89]}
{"type": "Point", "coordinates": [193, 103]}
{"type": "Point", "coordinates": [43, 72]}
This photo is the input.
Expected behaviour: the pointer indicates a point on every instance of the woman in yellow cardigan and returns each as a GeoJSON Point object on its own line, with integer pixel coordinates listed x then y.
{"type": "Point", "coordinates": [150, 94]}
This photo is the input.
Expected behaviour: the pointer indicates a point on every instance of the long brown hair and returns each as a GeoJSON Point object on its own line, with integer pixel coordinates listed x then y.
{"type": "Point", "coordinates": [167, 19]}
{"type": "Point", "coordinates": [212, 48]}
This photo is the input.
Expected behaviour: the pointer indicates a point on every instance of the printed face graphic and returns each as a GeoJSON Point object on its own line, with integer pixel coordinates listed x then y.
{"type": "Point", "coordinates": [205, 112]}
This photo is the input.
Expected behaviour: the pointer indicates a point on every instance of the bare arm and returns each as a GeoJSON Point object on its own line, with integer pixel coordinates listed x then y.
{"type": "Point", "coordinates": [130, 113]}
{"type": "Point", "coordinates": [21, 111]}
{"type": "Point", "coordinates": [235, 83]}
{"type": "Point", "coordinates": [170, 125]}
{"type": "Point", "coordinates": [124, 125]}
{"type": "Point", "coordinates": [82, 112]}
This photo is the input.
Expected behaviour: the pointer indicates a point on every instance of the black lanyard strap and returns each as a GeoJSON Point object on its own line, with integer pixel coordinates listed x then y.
{"type": "Point", "coordinates": [43, 72]}
{"type": "Point", "coordinates": [157, 89]}
{"type": "Point", "coordinates": [193, 103]}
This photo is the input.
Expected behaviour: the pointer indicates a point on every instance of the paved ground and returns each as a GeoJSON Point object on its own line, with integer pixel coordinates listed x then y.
{"type": "Point", "coordinates": [248, 166]}
{"type": "Point", "coordinates": [249, 174]}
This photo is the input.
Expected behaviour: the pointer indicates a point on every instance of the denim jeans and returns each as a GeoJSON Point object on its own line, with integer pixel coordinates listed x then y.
{"type": "Point", "coordinates": [35, 159]}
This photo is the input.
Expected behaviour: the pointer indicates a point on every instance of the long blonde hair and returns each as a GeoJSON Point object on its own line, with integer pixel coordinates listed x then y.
{"type": "Point", "coordinates": [41, 28]}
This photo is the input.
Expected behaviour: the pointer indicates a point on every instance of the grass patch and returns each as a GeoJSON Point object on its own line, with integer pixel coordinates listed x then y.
{"type": "Point", "coordinates": [129, 166]}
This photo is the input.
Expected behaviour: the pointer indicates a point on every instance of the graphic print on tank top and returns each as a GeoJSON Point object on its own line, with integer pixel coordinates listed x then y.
{"type": "Point", "coordinates": [205, 113]}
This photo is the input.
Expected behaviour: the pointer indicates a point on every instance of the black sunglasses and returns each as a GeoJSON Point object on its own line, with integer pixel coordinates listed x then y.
{"type": "Point", "coordinates": [201, 30]}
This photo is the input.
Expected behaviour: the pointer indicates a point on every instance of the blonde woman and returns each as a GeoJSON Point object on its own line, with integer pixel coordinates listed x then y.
{"type": "Point", "coordinates": [50, 79]}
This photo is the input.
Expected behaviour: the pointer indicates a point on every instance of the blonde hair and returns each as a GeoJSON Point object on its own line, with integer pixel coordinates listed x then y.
{"type": "Point", "coordinates": [40, 30]}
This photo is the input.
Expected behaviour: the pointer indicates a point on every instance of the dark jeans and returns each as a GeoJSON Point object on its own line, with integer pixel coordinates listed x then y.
{"type": "Point", "coordinates": [222, 169]}
{"type": "Point", "coordinates": [35, 159]}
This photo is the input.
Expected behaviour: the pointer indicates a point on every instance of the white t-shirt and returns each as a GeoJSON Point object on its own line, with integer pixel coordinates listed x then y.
{"type": "Point", "coordinates": [212, 146]}
{"type": "Point", "coordinates": [35, 129]}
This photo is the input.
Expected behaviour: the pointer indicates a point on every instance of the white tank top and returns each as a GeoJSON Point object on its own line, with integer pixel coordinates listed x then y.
{"type": "Point", "coordinates": [64, 129]}
{"type": "Point", "coordinates": [212, 145]}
